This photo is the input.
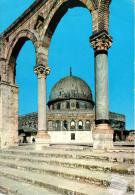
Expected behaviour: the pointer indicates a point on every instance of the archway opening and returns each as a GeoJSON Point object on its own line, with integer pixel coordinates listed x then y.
{"type": "Point", "coordinates": [26, 79]}
{"type": "Point", "coordinates": [21, 74]}
{"type": "Point", "coordinates": [68, 34]}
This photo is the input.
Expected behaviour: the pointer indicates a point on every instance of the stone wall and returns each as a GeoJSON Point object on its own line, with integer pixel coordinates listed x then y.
{"type": "Point", "coordinates": [30, 120]}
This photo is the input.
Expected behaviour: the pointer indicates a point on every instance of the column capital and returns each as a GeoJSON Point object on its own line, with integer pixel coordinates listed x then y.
{"type": "Point", "coordinates": [101, 41]}
{"type": "Point", "coordinates": [41, 71]}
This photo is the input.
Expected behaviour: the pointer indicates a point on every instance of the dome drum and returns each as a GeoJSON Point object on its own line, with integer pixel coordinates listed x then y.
{"type": "Point", "coordinates": [65, 104]}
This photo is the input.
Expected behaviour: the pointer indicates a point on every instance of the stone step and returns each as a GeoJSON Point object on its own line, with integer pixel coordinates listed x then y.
{"type": "Point", "coordinates": [14, 187]}
{"type": "Point", "coordinates": [121, 168]}
{"type": "Point", "coordinates": [60, 185]}
{"type": "Point", "coordinates": [71, 147]}
{"type": "Point", "coordinates": [83, 175]}
{"type": "Point", "coordinates": [111, 157]}
{"type": "Point", "coordinates": [68, 147]}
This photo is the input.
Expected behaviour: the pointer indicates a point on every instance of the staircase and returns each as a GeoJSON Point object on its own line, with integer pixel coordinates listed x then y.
{"type": "Point", "coordinates": [66, 170]}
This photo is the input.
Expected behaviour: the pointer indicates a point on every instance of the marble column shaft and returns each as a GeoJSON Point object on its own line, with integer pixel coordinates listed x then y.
{"type": "Point", "coordinates": [42, 72]}
{"type": "Point", "coordinates": [42, 125]}
{"type": "Point", "coordinates": [101, 86]}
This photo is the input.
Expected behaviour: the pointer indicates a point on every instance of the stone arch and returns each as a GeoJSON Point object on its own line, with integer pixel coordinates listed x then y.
{"type": "Point", "coordinates": [14, 49]}
{"type": "Point", "coordinates": [100, 41]}
{"type": "Point", "coordinates": [58, 12]}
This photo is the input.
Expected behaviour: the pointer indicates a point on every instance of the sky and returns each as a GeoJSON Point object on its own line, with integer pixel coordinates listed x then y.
{"type": "Point", "coordinates": [70, 47]}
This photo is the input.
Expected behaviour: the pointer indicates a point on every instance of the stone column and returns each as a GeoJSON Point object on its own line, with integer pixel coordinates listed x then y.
{"type": "Point", "coordinates": [103, 134]}
{"type": "Point", "coordinates": [42, 135]}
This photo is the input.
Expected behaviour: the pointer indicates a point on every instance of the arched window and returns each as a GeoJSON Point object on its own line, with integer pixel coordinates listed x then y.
{"type": "Point", "coordinates": [58, 106]}
{"type": "Point", "coordinates": [87, 125]}
{"type": "Point", "coordinates": [68, 105]}
{"type": "Point", "coordinates": [80, 125]}
{"type": "Point", "coordinates": [58, 126]}
{"type": "Point", "coordinates": [77, 105]}
{"type": "Point", "coordinates": [72, 124]}
{"type": "Point", "coordinates": [65, 125]}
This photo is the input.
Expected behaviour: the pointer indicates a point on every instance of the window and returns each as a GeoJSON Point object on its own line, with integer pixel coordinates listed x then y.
{"type": "Point", "coordinates": [77, 105]}
{"type": "Point", "coordinates": [68, 105]}
{"type": "Point", "coordinates": [72, 124]}
{"type": "Point", "coordinates": [65, 125]}
{"type": "Point", "coordinates": [72, 136]}
{"type": "Point", "coordinates": [58, 106]}
{"type": "Point", "coordinates": [80, 125]}
{"type": "Point", "coordinates": [87, 125]}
